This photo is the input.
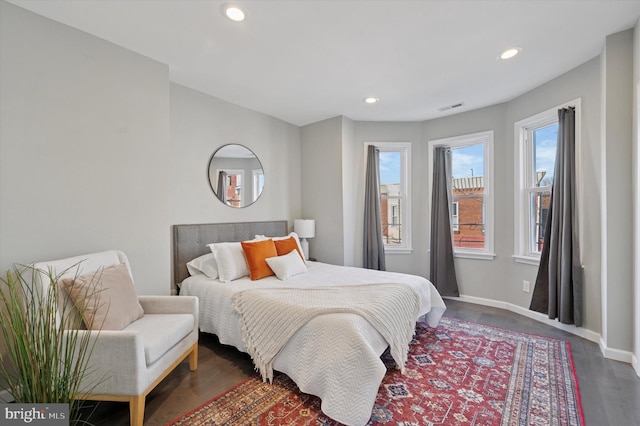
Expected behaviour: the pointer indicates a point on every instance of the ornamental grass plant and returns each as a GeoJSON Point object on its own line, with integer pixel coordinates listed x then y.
{"type": "Point", "coordinates": [47, 350]}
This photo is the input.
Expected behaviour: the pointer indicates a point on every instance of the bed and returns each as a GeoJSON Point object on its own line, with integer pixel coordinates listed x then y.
{"type": "Point", "coordinates": [335, 355]}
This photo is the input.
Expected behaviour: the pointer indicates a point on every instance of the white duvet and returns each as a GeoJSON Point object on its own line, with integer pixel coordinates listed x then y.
{"type": "Point", "coordinates": [334, 356]}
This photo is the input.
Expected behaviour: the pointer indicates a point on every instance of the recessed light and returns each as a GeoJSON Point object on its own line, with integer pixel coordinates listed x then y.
{"type": "Point", "coordinates": [233, 12]}
{"type": "Point", "coordinates": [370, 100]}
{"type": "Point", "coordinates": [510, 52]}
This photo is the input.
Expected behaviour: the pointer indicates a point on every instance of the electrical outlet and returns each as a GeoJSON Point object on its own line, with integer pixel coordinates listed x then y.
{"type": "Point", "coordinates": [526, 286]}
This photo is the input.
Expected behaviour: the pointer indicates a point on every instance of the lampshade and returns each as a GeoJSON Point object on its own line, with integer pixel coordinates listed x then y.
{"type": "Point", "coordinates": [305, 228]}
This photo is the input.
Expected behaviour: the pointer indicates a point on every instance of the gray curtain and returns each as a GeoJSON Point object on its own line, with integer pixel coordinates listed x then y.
{"type": "Point", "coordinates": [373, 244]}
{"type": "Point", "coordinates": [559, 284]}
{"type": "Point", "coordinates": [442, 271]}
{"type": "Point", "coordinates": [222, 186]}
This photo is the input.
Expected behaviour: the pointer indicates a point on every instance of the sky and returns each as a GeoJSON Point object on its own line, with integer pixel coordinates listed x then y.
{"type": "Point", "coordinates": [389, 167]}
{"type": "Point", "coordinates": [546, 140]}
{"type": "Point", "coordinates": [468, 161]}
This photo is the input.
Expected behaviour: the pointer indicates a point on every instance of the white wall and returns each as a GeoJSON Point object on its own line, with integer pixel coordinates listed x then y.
{"type": "Point", "coordinates": [84, 149]}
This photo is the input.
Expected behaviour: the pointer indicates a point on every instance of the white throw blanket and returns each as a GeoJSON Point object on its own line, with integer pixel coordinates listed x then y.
{"type": "Point", "coordinates": [269, 317]}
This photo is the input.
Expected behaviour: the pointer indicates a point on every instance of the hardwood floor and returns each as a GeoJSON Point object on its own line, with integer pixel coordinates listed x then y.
{"type": "Point", "coordinates": [610, 390]}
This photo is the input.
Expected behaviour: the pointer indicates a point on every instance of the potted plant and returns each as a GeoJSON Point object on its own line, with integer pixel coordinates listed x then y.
{"type": "Point", "coordinates": [47, 350]}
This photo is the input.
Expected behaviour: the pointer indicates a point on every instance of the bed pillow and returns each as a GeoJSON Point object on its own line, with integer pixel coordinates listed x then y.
{"type": "Point", "coordinates": [106, 299]}
{"type": "Point", "coordinates": [230, 261]}
{"type": "Point", "coordinates": [284, 246]}
{"type": "Point", "coordinates": [256, 253]}
{"type": "Point", "coordinates": [204, 265]}
{"type": "Point", "coordinates": [291, 235]}
{"type": "Point", "coordinates": [288, 265]}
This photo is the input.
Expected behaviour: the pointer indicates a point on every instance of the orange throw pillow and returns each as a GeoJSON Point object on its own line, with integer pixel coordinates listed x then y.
{"type": "Point", "coordinates": [285, 246]}
{"type": "Point", "coordinates": [256, 252]}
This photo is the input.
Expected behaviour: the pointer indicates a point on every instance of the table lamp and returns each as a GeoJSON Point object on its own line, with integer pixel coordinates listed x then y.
{"type": "Point", "coordinates": [305, 228]}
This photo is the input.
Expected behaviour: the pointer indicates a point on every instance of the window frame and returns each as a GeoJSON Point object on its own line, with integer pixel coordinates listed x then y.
{"type": "Point", "coordinates": [525, 173]}
{"type": "Point", "coordinates": [486, 138]}
{"type": "Point", "coordinates": [237, 172]}
{"type": "Point", "coordinates": [455, 225]}
{"type": "Point", "coordinates": [404, 148]}
{"type": "Point", "coordinates": [256, 190]}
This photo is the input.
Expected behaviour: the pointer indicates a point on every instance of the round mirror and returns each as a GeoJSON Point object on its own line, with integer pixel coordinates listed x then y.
{"type": "Point", "coordinates": [236, 175]}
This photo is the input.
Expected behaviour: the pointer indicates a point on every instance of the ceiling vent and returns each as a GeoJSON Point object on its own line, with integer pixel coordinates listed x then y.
{"type": "Point", "coordinates": [446, 108]}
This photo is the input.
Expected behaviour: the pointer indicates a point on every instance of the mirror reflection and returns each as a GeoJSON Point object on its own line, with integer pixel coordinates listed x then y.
{"type": "Point", "coordinates": [236, 175]}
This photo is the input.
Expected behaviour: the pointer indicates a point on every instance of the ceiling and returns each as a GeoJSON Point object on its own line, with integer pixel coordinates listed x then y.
{"type": "Point", "coordinates": [304, 61]}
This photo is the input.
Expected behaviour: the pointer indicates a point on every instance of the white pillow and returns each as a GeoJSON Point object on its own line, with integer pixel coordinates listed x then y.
{"type": "Point", "coordinates": [205, 264]}
{"type": "Point", "coordinates": [231, 262]}
{"type": "Point", "coordinates": [291, 234]}
{"type": "Point", "coordinates": [287, 266]}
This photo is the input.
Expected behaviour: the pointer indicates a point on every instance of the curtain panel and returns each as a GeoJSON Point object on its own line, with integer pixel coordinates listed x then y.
{"type": "Point", "coordinates": [442, 271]}
{"type": "Point", "coordinates": [373, 252]}
{"type": "Point", "coordinates": [222, 186]}
{"type": "Point", "coordinates": [559, 283]}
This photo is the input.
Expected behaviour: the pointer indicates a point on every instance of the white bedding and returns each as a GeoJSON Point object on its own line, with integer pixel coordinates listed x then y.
{"type": "Point", "coordinates": [334, 356]}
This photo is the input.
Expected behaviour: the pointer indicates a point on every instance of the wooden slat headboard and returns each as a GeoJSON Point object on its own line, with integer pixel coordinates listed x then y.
{"type": "Point", "coordinates": [190, 241]}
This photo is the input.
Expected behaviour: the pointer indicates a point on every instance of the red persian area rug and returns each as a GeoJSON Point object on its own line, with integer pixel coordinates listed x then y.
{"type": "Point", "coordinates": [460, 373]}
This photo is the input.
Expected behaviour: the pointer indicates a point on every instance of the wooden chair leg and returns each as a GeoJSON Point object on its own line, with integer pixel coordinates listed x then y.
{"type": "Point", "coordinates": [193, 358]}
{"type": "Point", "coordinates": [136, 410]}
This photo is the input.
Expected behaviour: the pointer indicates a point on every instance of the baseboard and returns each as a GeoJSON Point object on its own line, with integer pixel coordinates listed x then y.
{"type": "Point", "coordinates": [615, 354]}
{"type": "Point", "coordinates": [634, 364]}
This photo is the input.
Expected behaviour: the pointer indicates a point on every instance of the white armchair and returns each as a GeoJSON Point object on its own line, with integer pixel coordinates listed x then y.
{"type": "Point", "coordinates": [127, 364]}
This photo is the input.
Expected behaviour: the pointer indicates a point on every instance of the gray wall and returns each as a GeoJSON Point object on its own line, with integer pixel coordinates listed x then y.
{"type": "Point", "coordinates": [636, 190]}
{"type": "Point", "coordinates": [617, 207]}
{"type": "Point", "coordinates": [351, 155]}
{"type": "Point", "coordinates": [582, 82]}
{"type": "Point", "coordinates": [84, 149]}
{"type": "Point", "coordinates": [395, 132]}
{"type": "Point", "coordinates": [322, 192]}
{"type": "Point", "coordinates": [501, 279]}
{"type": "Point", "coordinates": [200, 124]}
{"type": "Point", "coordinates": [98, 150]}
{"type": "Point", "coordinates": [477, 278]}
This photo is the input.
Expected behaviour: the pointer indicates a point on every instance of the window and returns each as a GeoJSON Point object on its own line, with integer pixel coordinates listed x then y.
{"type": "Point", "coordinates": [395, 203]}
{"type": "Point", "coordinates": [536, 139]}
{"type": "Point", "coordinates": [233, 186]}
{"type": "Point", "coordinates": [258, 183]}
{"type": "Point", "coordinates": [454, 216]}
{"type": "Point", "coordinates": [471, 193]}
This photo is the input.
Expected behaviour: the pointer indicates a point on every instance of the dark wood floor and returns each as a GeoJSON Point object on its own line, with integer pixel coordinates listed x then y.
{"type": "Point", "coordinates": [610, 390]}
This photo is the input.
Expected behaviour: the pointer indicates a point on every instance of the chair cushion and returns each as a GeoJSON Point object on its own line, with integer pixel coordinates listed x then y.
{"type": "Point", "coordinates": [106, 299]}
{"type": "Point", "coordinates": [160, 332]}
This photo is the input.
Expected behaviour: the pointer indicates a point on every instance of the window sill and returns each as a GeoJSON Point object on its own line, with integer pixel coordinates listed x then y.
{"type": "Point", "coordinates": [478, 256]}
{"type": "Point", "coordinates": [527, 260]}
{"type": "Point", "coordinates": [396, 250]}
